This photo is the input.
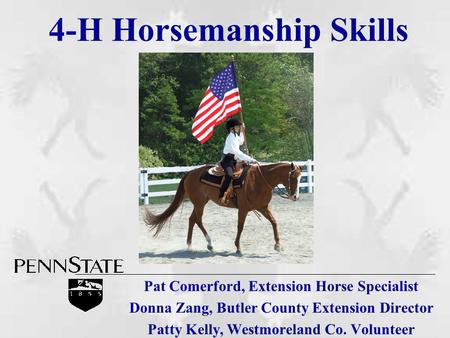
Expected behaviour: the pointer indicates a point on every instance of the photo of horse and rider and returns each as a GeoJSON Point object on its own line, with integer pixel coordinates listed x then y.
{"type": "Point", "coordinates": [232, 136]}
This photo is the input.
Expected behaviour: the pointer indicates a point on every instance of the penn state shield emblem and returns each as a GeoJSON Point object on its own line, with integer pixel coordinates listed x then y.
{"type": "Point", "coordinates": [85, 294]}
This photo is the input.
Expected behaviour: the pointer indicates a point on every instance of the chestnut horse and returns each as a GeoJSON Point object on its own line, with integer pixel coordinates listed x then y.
{"type": "Point", "coordinates": [255, 194]}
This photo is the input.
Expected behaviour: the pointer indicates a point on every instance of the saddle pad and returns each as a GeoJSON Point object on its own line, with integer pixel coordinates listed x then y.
{"type": "Point", "coordinates": [217, 181]}
{"type": "Point", "coordinates": [212, 180]}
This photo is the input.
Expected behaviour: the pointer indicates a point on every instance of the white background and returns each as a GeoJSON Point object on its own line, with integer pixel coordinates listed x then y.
{"type": "Point", "coordinates": [69, 136]}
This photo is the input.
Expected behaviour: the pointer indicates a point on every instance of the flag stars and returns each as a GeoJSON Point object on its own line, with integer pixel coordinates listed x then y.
{"type": "Point", "coordinates": [223, 82]}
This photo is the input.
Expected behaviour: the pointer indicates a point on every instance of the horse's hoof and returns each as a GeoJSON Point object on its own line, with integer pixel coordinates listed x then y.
{"type": "Point", "coordinates": [277, 247]}
{"type": "Point", "coordinates": [189, 248]}
{"type": "Point", "coordinates": [210, 248]}
{"type": "Point", "coordinates": [239, 253]}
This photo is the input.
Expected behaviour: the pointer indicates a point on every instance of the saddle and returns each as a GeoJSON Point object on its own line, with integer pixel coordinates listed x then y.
{"type": "Point", "coordinates": [215, 176]}
{"type": "Point", "coordinates": [218, 170]}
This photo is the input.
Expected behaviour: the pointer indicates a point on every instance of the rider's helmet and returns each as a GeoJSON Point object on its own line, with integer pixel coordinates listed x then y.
{"type": "Point", "coordinates": [233, 122]}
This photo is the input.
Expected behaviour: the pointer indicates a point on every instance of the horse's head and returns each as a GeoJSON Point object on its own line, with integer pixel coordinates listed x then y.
{"type": "Point", "coordinates": [290, 181]}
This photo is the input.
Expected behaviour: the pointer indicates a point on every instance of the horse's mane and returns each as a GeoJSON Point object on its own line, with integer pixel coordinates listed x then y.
{"type": "Point", "coordinates": [274, 164]}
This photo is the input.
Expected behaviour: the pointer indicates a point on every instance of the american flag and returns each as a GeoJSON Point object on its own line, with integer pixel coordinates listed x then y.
{"type": "Point", "coordinates": [220, 101]}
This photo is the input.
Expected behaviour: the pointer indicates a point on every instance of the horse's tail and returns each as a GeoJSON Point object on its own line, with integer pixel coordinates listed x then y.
{"type": "Point", "coordinates": [158, 221]}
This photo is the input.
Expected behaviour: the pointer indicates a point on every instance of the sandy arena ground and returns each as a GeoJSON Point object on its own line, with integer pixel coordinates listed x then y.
{"type": "Point", "coordinates": [295, 223]}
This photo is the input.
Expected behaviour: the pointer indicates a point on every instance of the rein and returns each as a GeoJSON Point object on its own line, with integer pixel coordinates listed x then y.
{"type": "Point", "coordinates": [257, 213]}
{"type": "Point", "coordinates": [281, 193]}
{"type": "Point", "coordinates": [264, 179]}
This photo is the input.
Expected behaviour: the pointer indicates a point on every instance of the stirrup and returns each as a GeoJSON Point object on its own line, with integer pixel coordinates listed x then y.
{"type": "Point", "coordinates": [228, 195]}
{"type": "Point", "coordinates": [223, 200]}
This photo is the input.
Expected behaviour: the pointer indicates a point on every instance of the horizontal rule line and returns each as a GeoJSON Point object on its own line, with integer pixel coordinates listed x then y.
{"type": "Point", "coordinates": [256, 274]}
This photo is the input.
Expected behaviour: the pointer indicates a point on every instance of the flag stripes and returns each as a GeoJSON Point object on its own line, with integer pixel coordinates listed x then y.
{"type": "Point", "coordinates": [220, 100]}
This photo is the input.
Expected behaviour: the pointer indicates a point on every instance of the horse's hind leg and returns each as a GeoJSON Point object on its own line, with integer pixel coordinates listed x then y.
{"type": "Point", "coordinates": [192, 220]}
{"type": "Point", "coordinates": [199, 213]}
{"type": "Point", "coordinates": [205, 233]}
{"type": "Point", "coordinates": [196, 217]}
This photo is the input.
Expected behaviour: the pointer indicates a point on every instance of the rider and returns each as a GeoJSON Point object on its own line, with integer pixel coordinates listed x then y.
{"type": "Point", "coordinates": [231, 152]}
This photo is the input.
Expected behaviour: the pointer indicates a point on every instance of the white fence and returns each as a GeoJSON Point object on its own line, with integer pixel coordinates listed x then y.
{"type": "Point", "coordinates": [145, 183]}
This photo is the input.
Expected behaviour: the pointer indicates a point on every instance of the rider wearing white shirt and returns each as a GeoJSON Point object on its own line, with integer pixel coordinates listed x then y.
{"type": "Point", "coordinates": [232, 144]}
{"type": "Point", "coordinates": [232, 152]}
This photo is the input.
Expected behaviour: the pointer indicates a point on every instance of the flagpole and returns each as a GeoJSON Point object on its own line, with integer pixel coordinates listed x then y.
{"type": "Point", "coordinates": [241, 112]}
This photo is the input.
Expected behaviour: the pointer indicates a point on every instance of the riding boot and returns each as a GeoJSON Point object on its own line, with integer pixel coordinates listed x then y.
{"type": "Point", "coordinates": [225, 186]}
{"type": "Point", "coordinates": [226, 199]}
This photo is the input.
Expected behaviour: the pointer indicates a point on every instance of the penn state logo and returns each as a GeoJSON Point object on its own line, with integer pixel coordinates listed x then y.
{"type": "Point", "coordinates": [85, 294]}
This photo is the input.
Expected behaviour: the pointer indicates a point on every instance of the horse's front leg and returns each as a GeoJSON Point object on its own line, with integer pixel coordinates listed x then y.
{"type": "Point", "coordinates": [267, 213]}
{"type": "Point", "coordinates": [242, 215]}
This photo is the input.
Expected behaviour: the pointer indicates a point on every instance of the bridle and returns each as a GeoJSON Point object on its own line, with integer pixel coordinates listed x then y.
{"type": "Point", "coordinates": [281, 193]}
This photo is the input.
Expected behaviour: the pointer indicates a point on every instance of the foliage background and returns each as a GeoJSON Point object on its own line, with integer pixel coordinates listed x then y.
{"type": "Point", "coordinates": [276, 94]}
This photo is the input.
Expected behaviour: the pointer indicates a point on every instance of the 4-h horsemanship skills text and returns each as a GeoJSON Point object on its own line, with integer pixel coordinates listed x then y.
{"type": "Point", "coordinates": [311, 310]}
{"type": "Point", "coordinates": [342, 29]}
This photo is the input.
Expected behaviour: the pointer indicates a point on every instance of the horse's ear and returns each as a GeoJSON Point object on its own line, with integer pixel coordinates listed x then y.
{"type": "Point", "coordinates": [292, 166]}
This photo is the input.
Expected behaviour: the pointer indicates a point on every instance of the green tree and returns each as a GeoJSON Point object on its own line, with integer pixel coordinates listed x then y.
{"type": "Point", "coordinates": [276, 93]}
{"type": "Point", "coordinates": [148, 158]}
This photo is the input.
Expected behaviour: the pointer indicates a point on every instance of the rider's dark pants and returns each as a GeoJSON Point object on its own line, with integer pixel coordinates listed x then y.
{"type": "Point", "coordinates": [228, 162]}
